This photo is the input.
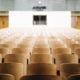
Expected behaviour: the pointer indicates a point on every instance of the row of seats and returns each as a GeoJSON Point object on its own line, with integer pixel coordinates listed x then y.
{"type": "Point", "coordinates": [42, 56]}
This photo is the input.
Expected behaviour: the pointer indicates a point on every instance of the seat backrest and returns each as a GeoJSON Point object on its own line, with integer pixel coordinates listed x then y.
{"type": "Point", "coordinates": [69, 69]}
{"type": "Point", "coordinates": [17, 58]}
{"type": "Point", "coordinates": [6, 77]}
{"type": "Point", "coordinates": [15, 69]}
{"type": "Point", "coordinates": [41, 69]}
{"type": "Point", "coordinates": [41, 58]}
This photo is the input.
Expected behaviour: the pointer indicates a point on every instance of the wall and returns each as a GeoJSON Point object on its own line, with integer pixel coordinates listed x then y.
{"type": "Point", "coordinates": [6, 5]}
{"type": "Point", "coordinates": [54, 19]}
{"type": "Point", "coordinates": [51, 4]}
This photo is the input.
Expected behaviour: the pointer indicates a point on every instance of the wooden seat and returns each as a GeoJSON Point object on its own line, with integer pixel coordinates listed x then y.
{"type": "Point", "coordinates": [4, 51]}
{"type": "Point", "coordinates": [17, 58]}
{"type": "Point", "coordinates": [69, 69]}
{"type": "Point", "coordinates": [41, 58]}
{"type": "Point", "coordinates": [6, 77]}
{"type": "Point", "coordinates": [40, 50]}
{"type": "Point", "coordinates": [15, 69]}
{"type": "Point", "coordinates": [61, 51]}
{"type": "Point", "coordinates": [56, 44]}
{"type": "Point", "coordinates": [66, 58]}
{"type": "Point", "coordinates": [21, 51]}
{"type": "Point", "coordinates": [74, 77]}
{"type": "Point", "coordinates": [40, 77]}
{"type": "Point", "coordinates": [41, 69]}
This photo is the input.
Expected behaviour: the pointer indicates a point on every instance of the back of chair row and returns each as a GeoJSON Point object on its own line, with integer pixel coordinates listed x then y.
{"type": "Point", "coordinates": [15, 69]}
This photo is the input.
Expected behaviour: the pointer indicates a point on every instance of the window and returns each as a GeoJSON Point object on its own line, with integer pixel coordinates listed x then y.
{"type": "Point", "coordinates": [39, 20]}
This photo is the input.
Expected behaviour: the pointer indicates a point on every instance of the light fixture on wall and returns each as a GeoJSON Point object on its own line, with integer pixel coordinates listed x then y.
{"type": "Point", "coordinates": [39, 7]}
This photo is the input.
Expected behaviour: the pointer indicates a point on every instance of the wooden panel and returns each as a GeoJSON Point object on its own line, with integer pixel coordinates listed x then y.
{"type": "Point", "coordinates": [4, 21]}
{"type": "Point", "coordinates": [78, 22]}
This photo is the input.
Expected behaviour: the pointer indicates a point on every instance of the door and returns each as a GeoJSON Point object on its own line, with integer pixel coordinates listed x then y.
{"type": "Point", "coordinates": [4, 22]}
{"type": "Point", "coordinates": [78, 22]}
{"type": "Point", "coordinates": [1, 25]}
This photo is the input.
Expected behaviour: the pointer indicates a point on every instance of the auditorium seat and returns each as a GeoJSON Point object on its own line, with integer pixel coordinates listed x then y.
{"type": "Point", "coordinates": [41, 69]}
{"type": "Point", "coordinates": [40, 51]}
{"type": "Point", "coordinates": [69, 69]}
{"type": "Point", "coordinates": [41, 58]}
{"type": "Point", "coordinates": [25, 51]}
{"type": "Point", "coordinates": [66, 58]}
{"type": "Point", "coordinates": [5, 51]}
{"type": "Point", "coordinates": [15, 69]}
{"type": "Point", "coordinates": [59, 51]}
{"type": "Point", "coordinates": [17, 58]}
{"type": "Point", "coordinates": [6, 77]}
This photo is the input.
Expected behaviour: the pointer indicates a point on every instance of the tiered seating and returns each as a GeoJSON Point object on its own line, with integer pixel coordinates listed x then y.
{"type": "Point", "coordinates": [15, 69]}
{"type": "Point", "coordinates": [41, 54]}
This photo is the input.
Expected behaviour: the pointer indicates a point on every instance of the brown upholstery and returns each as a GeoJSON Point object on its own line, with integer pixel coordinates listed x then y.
{"type": "Point", "coordinates": [21, 51]}
{"type": "Point", "coordinates": [15, 69]}
{"type": "Point", "coordinates": [62, 51]}
{"type": "Point", "coordinates": [6, 77]}
{"type": "Point", "coordinates": [41, 69]}
{"type": "Point", "coordinates": [4, 51]}
{"type": "Point", "coordinates": [17, 58]}
{"type": "Point", "coordinates": [66, 58]}
{"type": "Point", "coordinates": [69, 69]}
{"type": "Point", "coordinates": [40, 50]}
{"type": "Point", "coordinates": [41, 58]}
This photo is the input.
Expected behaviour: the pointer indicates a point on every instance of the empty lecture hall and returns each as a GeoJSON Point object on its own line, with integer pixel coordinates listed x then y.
{"type": "Point", "coordinates": [39, 39]}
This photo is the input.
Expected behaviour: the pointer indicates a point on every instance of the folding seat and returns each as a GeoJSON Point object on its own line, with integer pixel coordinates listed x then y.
{"type": "Point", "coordinates": [24, 45]}
{"type": "Point", "coordinates": [5, 51]}
{"type": "Point", "coordinates": [40, 77]}
{"type": "Point", "coordinates": [15, 69]}
{"type": "Point", "coordinates": [61, 51]}
{"type": "Point", "coordinates": [56, 44]}
{"type": "Point", "coordinates": [74, 77]}
{"type": "Point", "coordinates": [17, 58]}
{"type": "Point", "coordinates": [41, 58]}
{"type": "Point", "coordinates": [41, 69]}
{"type": "Point", "coordinates": [6, 77]}
{"type": "Point", "coordinates": [40, 50]}
{"type": "Point", "coordinates": [25, 51]}
{"type": "Point", "coordinates": [74, 46]}
{"type": "Point", "coordinates": [69, 69]}
{"type": "Point", "coordinates": [66, 58]}
{"type": "Point", "coordinates": [41, 46]}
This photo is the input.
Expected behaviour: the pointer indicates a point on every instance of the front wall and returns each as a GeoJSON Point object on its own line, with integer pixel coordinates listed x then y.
{"type": "Point", "coordinates": [28, 4]}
